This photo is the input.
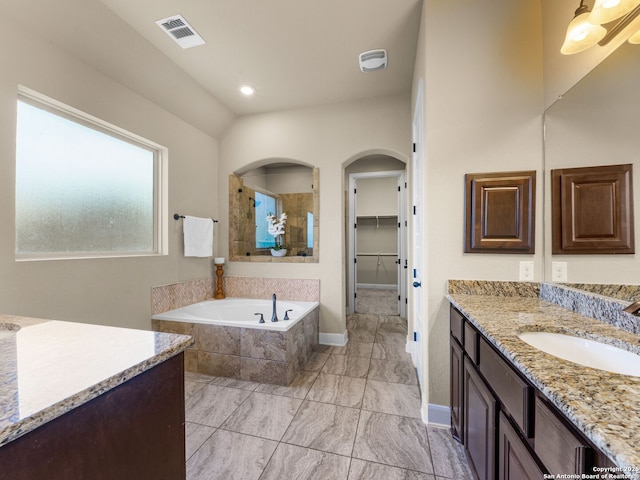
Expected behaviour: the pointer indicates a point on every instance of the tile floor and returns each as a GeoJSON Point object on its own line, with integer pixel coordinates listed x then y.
{"type": "Point", "coordinates": [352, 414]}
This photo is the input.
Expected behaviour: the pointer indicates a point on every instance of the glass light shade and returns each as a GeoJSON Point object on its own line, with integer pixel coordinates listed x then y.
{"type": "Point", "coordinates": [581, 35]}
{"type": "Point", "coordinates": [635, 38]}
{"type": "Point", "coordinates": [605, 11]}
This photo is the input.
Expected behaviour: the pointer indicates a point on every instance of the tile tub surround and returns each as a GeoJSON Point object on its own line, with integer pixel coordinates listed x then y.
{"type": "Point", "coordinates": [247, 353]}
{"type": "Point", "coordinates": [600, 404]}
{"type": "Point", "coordinates": [49, 367]}
{"type": "Point", "coordinates": [177, 295]}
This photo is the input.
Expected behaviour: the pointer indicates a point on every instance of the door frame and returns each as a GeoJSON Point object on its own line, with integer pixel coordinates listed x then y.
{"type": "Point", "coordinates": [402, 259]}
{"type": "Point", "coordinates": [418, 334]}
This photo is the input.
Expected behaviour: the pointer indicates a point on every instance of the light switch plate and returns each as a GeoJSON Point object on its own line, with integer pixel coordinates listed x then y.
{"type": "Point", "coordinates": [558, 271]}
{"type": "Point", "coordinates": [526, 271]}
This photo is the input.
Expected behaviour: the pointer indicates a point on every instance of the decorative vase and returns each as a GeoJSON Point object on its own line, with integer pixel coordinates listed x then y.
{"type": "Point", "coordinates": [278, 253]}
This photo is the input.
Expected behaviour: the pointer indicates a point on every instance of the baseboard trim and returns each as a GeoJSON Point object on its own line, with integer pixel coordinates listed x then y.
{"type": "Point", "coordinates": [436, 415]}
{"type": "Point", "coordinates": [334, 339]}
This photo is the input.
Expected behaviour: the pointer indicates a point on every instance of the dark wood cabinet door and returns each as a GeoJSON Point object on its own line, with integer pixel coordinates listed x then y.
{"type": "Point", "coordinates": [479, 424]}
{"type": "Point", "coordinates": [456, 388]}
{"type": "Point", "coordinates": [515, 462]}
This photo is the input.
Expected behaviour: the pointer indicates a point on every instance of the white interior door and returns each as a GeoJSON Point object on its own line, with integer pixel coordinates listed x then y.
{"type": "Point", "coordinates": [417, 245]}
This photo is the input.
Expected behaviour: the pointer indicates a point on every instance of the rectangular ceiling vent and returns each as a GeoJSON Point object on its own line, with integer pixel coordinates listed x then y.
{"type": "Point", "coordinates": [180, 30]}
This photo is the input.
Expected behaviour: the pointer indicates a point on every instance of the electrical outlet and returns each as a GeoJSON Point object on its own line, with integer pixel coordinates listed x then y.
{"type": "Point", "coordinates": [558, 271]}
{"type": "Point", "coordinates": [526, 271]}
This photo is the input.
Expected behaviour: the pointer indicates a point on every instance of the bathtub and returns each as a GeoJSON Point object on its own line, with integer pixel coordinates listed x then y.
{"type": "Point", "coordinates": [240, 312]}
{"type": "Point", "coordinates": [229, 341]}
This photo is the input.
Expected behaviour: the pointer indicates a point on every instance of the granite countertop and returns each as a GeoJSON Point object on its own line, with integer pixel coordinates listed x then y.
{"type": "Point", "coordinates": [604, 406]}
{"type": "Point", "coordinates": [49, 367]}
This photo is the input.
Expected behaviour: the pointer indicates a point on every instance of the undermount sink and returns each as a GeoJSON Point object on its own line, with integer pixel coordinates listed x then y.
{"type": "Point", "coordinates": [584, 352]}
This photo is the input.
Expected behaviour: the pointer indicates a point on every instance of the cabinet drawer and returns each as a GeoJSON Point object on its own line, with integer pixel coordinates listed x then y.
{"type": "Point", "coordinates": [471, 339]}
{"type": "Point", "coordinates": [456, 322]}
{"type": "Point", "coordinates": [515, 393]}
{"type": "Point", "coordinates": [559, 449]}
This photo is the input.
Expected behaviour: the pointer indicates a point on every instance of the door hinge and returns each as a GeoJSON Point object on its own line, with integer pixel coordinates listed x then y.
{"type": "Point", "coordinates": [414, 147]}
{"type": "Point", "coordinates": [355, 191]}
{"type": "Point", "coordinates": [399, 189]}
{"type": "Point", "coordinates": [415, 336]}
{"type": "Point", "coordinates": [399, 298]}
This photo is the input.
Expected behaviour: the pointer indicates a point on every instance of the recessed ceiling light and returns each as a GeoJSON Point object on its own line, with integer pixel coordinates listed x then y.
{"type": "Point", "coordinates": [247, 90]}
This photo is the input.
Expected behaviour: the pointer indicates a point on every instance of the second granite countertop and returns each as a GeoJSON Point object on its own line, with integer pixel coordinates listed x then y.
{"type": "Point", "coordinates": [49, 367]}
{"type": "Point", "coordinates": [602, 405]}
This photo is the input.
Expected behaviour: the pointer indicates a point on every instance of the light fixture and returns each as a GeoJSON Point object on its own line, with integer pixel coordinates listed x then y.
{"type": "Point", "coordinates": [635, 38]}
{"type": "Point", "coordinates": [581, 34]}
{"type": "Point", "coordinates": [247, 90]}
{"type": "Point", "coordinates": [605, 11]}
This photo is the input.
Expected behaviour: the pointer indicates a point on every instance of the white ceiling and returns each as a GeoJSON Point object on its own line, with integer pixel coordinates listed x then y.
{"type": "Point", "coordinates": [296, 53]}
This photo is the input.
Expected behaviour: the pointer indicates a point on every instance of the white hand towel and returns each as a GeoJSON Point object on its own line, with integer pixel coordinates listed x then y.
{"type": "Point", "coordinates": [198, 237]}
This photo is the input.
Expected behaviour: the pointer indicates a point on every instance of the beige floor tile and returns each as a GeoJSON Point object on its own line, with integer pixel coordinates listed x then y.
{"type": "Point", "coordinates": [298, 388]}
{"type": "Point", "coordinates": [325, 427]}
{"type": "Point", "coordinates": [393, 371]}
{"type": "Point", "coordinates": [316, 362]}
{"type": "Point", "coordinates": [196, 435]}
{"type": "Point", "coordinates": [211, 405]}
{"type": "Point", "coordinates": [448, 455]}
{"type": "Point", "coordinates": [230, 456]}
{"type": "Point", "coordinates": [347, 365]}
{"type": "Point", "coordinates": [391, 337]}
{"type": "Point", "coordinates": [338, 389]}
{"type": "Point", "coordinates": [234, 383]}
{"type": "Point", "coordinates": [353, 349]}
{"type": "Point", "coordinates": [393, 440]}
{"type": "Point", "coordinates": [293, 462]}
{"type": "Point", "coordinates": [263, 415]}
{"type": "Point", "coordinates": [363, 470]}
{"type": "Point", "coordinates": [390, 351]}
{"type": "Point", "coordinates": [392, 398]}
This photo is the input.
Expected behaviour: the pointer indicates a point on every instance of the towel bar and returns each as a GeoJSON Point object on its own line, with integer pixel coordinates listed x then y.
{"type": "Point", "coordinates": [177, 216]}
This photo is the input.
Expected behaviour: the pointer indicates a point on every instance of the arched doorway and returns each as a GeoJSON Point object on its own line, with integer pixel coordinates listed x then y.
{"type": "Point", "coordinates": [376, 236]}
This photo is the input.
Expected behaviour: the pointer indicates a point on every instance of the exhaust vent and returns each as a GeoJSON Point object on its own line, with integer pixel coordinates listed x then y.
{"type": "Point", "coordinates": [180, 30]}
{"type": "Point", "coordinates": [373, 60]}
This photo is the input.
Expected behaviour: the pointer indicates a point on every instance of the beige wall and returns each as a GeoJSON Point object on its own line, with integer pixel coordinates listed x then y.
{"type": "Point", "coordinates": [328, 137]}
{"type": "Point", "coordinates": [105, 291]}
{"type": "Point", "coordinates": [483, 113]}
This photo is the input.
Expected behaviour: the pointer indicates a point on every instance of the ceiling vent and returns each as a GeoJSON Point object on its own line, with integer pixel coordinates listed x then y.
{"type": "Point", "coordinates": [180, 30]}
{"type": "Point", "coordinates": [373, 60]}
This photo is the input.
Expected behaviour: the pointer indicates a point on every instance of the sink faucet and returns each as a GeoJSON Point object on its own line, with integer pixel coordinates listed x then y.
{"type": "Point", "coordinates": [274, 315]}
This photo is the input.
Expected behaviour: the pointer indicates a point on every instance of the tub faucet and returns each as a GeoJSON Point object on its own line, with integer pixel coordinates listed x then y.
{"type": "Point", "coordinates": [274, 315]}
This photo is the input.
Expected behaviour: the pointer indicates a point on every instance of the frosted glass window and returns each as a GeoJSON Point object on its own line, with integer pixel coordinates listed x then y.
{"type": "Point", "coordinates": [81, 190]}
{"type": "Point", "coordinates": [265, 205]}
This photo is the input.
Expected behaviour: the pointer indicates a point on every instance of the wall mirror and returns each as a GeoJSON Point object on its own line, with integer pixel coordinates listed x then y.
{"type": "Point", "coordinates": [593, 124]}
{"type": "Point", "coordinates": [273, 189]}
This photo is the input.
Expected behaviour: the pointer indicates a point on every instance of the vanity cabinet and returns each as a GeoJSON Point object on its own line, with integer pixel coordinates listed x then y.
{"type": "Point", "coordinates": [514, 460]}
{"type": "Point", "coordinates": [479, 423]}
{"type": "Point", "coordinates": [508, 428]}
